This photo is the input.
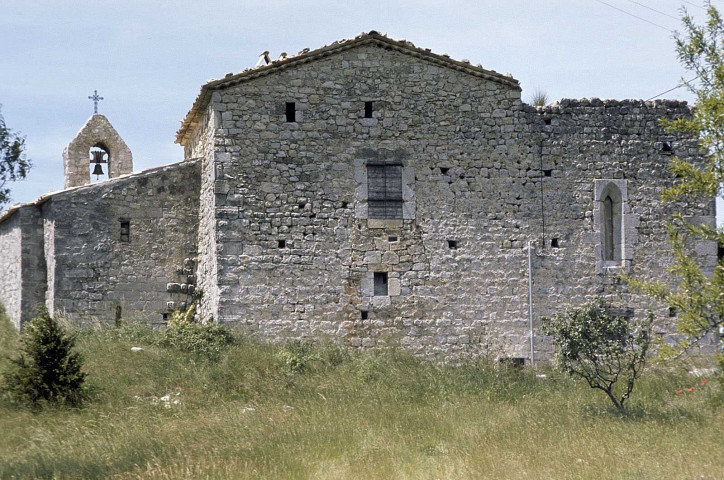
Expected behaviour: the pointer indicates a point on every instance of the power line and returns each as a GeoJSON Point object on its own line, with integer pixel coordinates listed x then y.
{"type": "Point", "coordinates": [674, 88]}
{"type": "Point", "coordinates": [693, 4]}
{"type": "Point", "coordinates": [653, 9]}
{"type": "Point", "coordinates": [635, 16]}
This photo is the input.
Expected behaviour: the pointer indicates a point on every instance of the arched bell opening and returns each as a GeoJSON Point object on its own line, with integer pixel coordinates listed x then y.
{"type": "Point", "coordinates": [100, 160]}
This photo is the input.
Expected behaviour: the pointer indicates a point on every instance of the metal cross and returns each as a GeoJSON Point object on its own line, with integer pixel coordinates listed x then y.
{"type": "Point", "coordinates": [95, 99]}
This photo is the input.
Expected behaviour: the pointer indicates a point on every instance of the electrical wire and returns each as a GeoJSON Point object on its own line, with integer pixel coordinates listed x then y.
{"type": "Point", "coordinates": [654, 10]}
{"type": "Point", "coordinates": [635, 16]}
{"type": "Point", "coordinates": [682, 84]}
{"type": "Point", "coordinates": [693, 4]}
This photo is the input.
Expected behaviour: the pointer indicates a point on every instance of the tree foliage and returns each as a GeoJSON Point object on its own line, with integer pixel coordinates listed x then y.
{"type": "Point", "coordinates": [13, 163]}
{"type": "Point", "coordinates": [47, 371]}
{"type": "Point", "coordinates": [602, 348]}
{"type": "Point", "coordinates": [698, 298]}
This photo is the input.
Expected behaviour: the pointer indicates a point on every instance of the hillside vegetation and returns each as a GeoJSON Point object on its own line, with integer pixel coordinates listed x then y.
{"type": "Point", "coordinates": [263, 412]}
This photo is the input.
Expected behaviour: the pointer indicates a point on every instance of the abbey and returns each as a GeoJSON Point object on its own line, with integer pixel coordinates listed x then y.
{"type": "Point", "coordinates": [368, 191]}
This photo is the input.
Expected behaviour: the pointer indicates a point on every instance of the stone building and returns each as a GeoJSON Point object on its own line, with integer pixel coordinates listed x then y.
{"type": "Point", "coordinates": [368, 191]}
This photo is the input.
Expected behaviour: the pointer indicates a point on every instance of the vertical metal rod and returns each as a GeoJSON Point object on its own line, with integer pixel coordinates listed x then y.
{"type": "Point", "coordinates": [530, 300]}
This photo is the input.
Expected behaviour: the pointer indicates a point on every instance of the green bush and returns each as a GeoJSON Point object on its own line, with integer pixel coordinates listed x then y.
{"type": "Point", "coordinates": [601, 348]}
{"type": "Point", "coordinates": [8, 338]}
{"type": "Point", "coordinates": [297, 356]}
{"type": "Point", "coordinates": [207, 341]}
{"type": "Point", "coordinates": [47, 371]}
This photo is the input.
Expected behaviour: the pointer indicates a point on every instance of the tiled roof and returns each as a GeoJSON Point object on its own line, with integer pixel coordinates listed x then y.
{"type": "Point", "coordinates": [306, 55]}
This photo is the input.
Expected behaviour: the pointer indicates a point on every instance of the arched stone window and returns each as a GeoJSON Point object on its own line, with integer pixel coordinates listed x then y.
{"type": "Point", "coordinates": [611, 231]}
{"type": "Point", "coordinates": [614, 225]}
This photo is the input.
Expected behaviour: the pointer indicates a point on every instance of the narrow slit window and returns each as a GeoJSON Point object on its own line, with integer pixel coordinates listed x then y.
{"type": "Point", "coordinates": [384, 191]}
{"type": "Point", "coordinates": [125, 231]}
{"type": "Point", "coordinates": [611, 224]}
{"type": "Point", "coordinates": [368, 109]}
{"type": "Point", "coordinates": [291, 112]}
{"type": "Point", "coordinates": [380, 284]}
{"type": "Point", "coordinates": [608, 229]}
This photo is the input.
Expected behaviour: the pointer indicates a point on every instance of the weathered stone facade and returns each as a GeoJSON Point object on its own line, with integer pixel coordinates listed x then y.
{"type": "Point", "coordinates": [274, 203]}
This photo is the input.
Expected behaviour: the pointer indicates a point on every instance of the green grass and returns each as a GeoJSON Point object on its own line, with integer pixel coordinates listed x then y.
{"type": "Point", "coordinates": [366, 416]}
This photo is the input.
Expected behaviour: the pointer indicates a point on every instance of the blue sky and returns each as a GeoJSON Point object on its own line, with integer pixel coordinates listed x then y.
{"type": "Point", "coordinates": [148, 59]}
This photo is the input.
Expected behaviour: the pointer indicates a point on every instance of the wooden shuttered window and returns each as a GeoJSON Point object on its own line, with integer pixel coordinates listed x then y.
{"type": "Point", "coordinates": [384, 191]}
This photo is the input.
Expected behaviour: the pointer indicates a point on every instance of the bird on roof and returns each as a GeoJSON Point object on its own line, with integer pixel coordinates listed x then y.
{"type": "Point", "coordinates": [264, 59]}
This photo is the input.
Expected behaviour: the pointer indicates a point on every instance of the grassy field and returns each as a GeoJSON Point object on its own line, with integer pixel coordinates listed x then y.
{"type": "Point", "coordinates": [264, 412]}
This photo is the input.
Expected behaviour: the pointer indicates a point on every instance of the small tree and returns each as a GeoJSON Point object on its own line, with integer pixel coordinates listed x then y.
{"type": "Point", "coordinates": [601, 347]}
{"type": "Point", "coordinates": [13, 164]}
{"type": "Point", "coordinates": [47, 370]}
{"type": "Point", "coordinates": [698, 295]}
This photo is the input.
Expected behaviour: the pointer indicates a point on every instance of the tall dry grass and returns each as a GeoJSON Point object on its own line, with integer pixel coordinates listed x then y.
{"type": "Point", "coordinates": [255, 414]}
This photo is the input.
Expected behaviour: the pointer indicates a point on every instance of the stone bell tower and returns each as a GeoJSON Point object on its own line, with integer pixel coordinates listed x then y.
{"type": "Point", "coordinates": [99, 139]}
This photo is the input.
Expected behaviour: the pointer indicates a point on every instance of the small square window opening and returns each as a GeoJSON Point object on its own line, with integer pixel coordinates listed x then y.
{"type": "Point", "coordinates": [364, 314]}
{"type": "Point", "coordinates": [548, 173]}
{"type": "Point", "coordinates": [554, 243]}
{"type": "Point", "coordinates": [368, 109]}
{"type": "Point", "coordinates": [282, 243]}
{"type": "Point", "coordinates": [380, 283]}
{"type": "Point", "coordinates": [452, 244]}
{"type": "Point", "coordinates": [392, 239]}
{"type": "Point", "coordinates": [125, 231]}
{"type": "Point", "coordinates": [291, 112]}
{"type": "Point", "coordinates": [666, 147]}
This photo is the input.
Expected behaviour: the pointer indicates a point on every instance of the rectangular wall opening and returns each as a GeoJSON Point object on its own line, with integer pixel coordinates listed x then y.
{"type": "Point", "coordinates": [291, 112]}
{"type": "Point", "coordinates": [125, 231]}
{"type": "Point", "coordinates": [380, 284]}
{"type": "Point", "coordinates": [368, 109]}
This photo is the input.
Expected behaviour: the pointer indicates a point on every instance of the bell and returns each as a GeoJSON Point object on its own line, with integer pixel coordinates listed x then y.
{"type": "Point", "coordinates": [97, 170]}
{"type": "Point", "coordinates": [98, 156]}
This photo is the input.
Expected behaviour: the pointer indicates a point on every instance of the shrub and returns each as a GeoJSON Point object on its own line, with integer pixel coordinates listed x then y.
{"type": "Point", "coordinates": [601, 348]}
{"type": "Point", "coordinates": [47, 370]}
{"type": "Point", "coordinates": [297, 356]}
{"type": "Point", "coordinates": [207, 341]}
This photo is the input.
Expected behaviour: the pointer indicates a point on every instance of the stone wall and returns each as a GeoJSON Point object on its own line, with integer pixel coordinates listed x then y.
{"type": "Point", "coordinates": [484, 175]}
{"type": "Point", "coordinates": [96, 275]}
{"type": "Point", "coordinates": [33, 261]}
{"type": "Point", "coordinates": [201, 147]}
{"type": "Point", "coordinates": [22, 264]}
{"type": "Point", "coordinates": [463, 142]}
{"type": "Point", "coordinates": [10, 272]}
{"type": "Point", "coordinates": [583, 142]}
